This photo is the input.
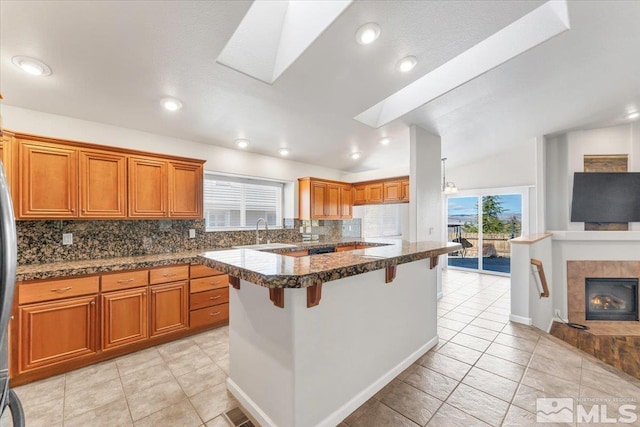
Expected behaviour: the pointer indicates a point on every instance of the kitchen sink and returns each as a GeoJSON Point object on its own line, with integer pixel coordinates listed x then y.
{"type": "Point", "coordinates": [266, 246]}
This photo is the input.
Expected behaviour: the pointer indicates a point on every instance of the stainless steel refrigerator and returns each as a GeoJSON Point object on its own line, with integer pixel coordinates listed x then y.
{"type": "Point", "coordinates": [8, 258]}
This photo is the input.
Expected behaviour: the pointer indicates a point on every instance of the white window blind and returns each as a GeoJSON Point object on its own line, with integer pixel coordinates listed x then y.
{"type": "Point", "coordinates": [382, 221]}
{"type": "Point", "coordinates": [233, 203]}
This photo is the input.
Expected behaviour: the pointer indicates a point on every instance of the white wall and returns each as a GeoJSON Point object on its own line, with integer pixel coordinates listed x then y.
{"type": "Point", "coordinates": [219, 159]}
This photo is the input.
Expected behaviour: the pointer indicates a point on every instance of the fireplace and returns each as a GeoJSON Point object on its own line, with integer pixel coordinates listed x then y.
{"type": "Point", "coordinates": [611, 299]}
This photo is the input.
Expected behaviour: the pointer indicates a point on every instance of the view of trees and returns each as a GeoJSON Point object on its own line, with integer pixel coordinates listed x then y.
{"type": "Point", "coordinates": [492, 209]}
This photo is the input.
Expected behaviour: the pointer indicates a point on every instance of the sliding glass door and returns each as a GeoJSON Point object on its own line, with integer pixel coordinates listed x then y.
{"type": "Point", "coordinates": [483, 225]}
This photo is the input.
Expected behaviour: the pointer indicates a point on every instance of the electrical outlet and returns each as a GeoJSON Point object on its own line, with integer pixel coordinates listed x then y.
{"type": "Point", "coordinates": [67, 238]}
{"type": "Point", "coordinates": [556, 313]}
{"type": "Point", "coordinates": [192, 233]}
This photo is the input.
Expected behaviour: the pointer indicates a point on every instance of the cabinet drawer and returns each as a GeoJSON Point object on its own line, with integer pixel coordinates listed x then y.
{"type": "Point", "coordinates": [198, 270]}
{"type": "Point", "coordinates": [209, 283]}
{"type": "Point", "coordinates": [172, 273]}
{"type": "Point", "coordinates": [57, 289]}
{"type": "Point", "coordinates": [208, 316]}
{"type": "Point", "coordinates": [345, 248]}
{"type": "Point", "coordinates": [126, 280]}
{"type": "Point", "coordinates": [209, 298]}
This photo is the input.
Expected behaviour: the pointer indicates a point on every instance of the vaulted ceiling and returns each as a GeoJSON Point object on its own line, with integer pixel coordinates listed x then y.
{"type": "Point", "coordinates": [112, 62]}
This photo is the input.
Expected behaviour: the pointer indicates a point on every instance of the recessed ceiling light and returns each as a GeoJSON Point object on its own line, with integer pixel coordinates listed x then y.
{"type": "Point", "coordinates": [242, 143]}
{"type": "Point", "coordinates": [284, 151]}
{"type": "Point", "coordinates": [406, 64]}
{"type": "Point", "coordinates": [32, 66]}
{"type": "Point", "coordinates": [385, 141]}
{"type": "Point", "coordinates": [368, 33]}
{"type": "Point", "coordinates": [633, 115]}
{"type": "Point", "coordinates": [171, 104]}
{"type": "Point", "coordinates": [355, 155]}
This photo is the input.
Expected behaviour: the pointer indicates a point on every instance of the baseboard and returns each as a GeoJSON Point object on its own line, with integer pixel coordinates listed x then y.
{"type": "Point", "coordinates": [345, 410]}
{"type": "Point", "coordinates": [520, 319]}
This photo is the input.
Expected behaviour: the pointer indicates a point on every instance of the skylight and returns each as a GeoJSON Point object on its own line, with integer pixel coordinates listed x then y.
{"type": "Point", "coordinates": [534, 28]}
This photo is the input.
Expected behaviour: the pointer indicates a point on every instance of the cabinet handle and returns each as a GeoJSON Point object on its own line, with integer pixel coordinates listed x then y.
{"type": "Point", "coordinates": [92, 303]}
{"type": "Point", "coordinates": [84, 210]}
{"type": "Point", "coordinates": [144, 294]}
{"type": "Point", "coordinates": [62, 290]}
{"type": "Point", "coordinates": [216, 297]}
{"type": "Point", "coordinates": [214, 314]}
{"type": "Point", "coordinates": [154, 292]}
{"type": "Point", "coordinates": [73, 210]}
{"type": "Point", "coordinates": [125, 280]}
{"type": "Point", "coordinates": [12, 317]}
{"type": "Point", "coordinates": [170, 274]}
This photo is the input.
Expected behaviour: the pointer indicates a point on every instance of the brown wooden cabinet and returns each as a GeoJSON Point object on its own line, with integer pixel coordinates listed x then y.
{"type": "Point", "coordinates": [6, 156]}
{"type": "Point", "coordinates": [125, 317]}
{"type": "Point", "coordinates": [185, 190]}
{"type": "Point", "coordinates": [169, 308]}
{"type": "Point", "coordinates": [359, 194]}
{"type": "Point", "coordinates": [48, 180]}
{"type": "Point", "coordinates": [404, 186]}
{"type": "Point", "coordinates": [392, 191]}
{"type": "Point", "coordinates": [147, 187]}
{"type": "Point", "coordinates": [54, 332]}
{"type": "Point", "coordinates": [323, 199]}
{"type": "Point", "coordinates": [103, 185]}
{"type": "Point", "coordinates": [374, 193]}
{"type": "Point", "coordinates": [209, 297]}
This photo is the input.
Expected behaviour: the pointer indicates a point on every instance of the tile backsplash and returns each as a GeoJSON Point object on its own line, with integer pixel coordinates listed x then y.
{"type": "Point", "coordinates": [41, 241]}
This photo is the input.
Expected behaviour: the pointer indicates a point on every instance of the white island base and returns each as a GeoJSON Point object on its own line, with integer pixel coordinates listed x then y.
{"type": "Point", "coordinates": [304, 367]}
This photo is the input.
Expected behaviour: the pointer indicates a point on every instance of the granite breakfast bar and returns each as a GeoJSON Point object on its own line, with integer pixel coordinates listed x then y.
{"type": "Point", "coordinates": [310, 357]}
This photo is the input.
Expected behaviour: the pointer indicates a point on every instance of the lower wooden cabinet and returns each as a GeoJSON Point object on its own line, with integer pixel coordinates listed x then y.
{"type": "Point", "coordinates": [210, 315]}
{"type": "Point", "coordinates": [124, 317]}
{"type": "Point", "coordinates": [56, 331]}
{"type": "Point", "coordinates": [169, 308]}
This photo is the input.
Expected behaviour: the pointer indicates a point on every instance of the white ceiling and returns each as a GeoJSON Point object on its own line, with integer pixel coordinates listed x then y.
{"type": "Point", "coordinates": [113, 61]}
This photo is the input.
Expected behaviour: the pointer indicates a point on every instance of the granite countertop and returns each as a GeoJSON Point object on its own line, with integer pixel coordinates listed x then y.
{"type": "Point", "coordinates": [274, 270]}
{"type": "Point", "coordinates": [106, 265]}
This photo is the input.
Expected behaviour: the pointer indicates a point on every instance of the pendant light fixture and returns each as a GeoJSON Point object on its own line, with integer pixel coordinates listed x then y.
{"type": "Point", "coordinates": [447, 187]}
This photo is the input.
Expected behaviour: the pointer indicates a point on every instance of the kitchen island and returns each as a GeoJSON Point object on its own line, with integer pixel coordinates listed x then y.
{"type": "Point", "coordinates": [312, 338]}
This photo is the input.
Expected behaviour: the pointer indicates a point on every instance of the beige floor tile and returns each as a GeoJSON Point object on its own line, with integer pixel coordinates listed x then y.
{"type": "Point", "coordinates": [509, 353]}
{"type": "Point", "coordinates": [526, 396]}
{"type": "Point", "coordinates": [470, 341]}
{"type": "Point", "coordinates": [112, 414]}
{"type": "Point", "coordinates": [448, 416]}
{"type": "Point", "coordinates": [353, 417]}
{"type": "Point", "coordinates": [217, 352]}
{"type": "Point", "coordinates": [214, 336]}
{"type": "Point", "coordinates": [154, 398]}
{"type": "Point", "coordinates": [189, 362]}
{"type": "Point", "coordinates": [556, 367]}
{"type": "Point", "coordinates": [500, 318]}
{"type": "Point", "coordinates": [140, 360]}
{"type": "Point", "coordinates": [454, 325]}
{"type": "Point", "coordinates": [479, 332]}
{"type": "Point", "coordinates": [44, 414]}
{"type": "Point", "coordinates": [446, 334]}
{"type": "Point", "coordinates": [479, 404]}
{"type": "Point", "coordinates": [608, 383]}
{"type": "Point", "coordinates": [550, 384]}
{"type": "Point", "coordinates": [502, 367]}
{"type": "Point", "coordinates": [431, 382]}
{"type": "Point", "coordinates": [488, 324]}
{"type": "Point", "coordinates": [445, 365]}
{"type": "Point", "coordinates": [201, 379]}
{"type": "Point", "coordinates": [459, 317]}
{"type": "Point", "coordinates": [90, 375]}
{"type": "Point", "coordinates": [521, 331]}
{"type": "Point", "coordinates": [42, 391]}
{"type": "Point", "coordinates": [179, 414]}
{"type": "Point", "coordinates": [461, 353]}
{"type": "Point", "coordinates": [414, 404]}
{"type": "Point", "coordinates": [379, 415]}
{"type": "Point", "coordinates": [212, 402]}
{"type": "Point", "coordinates": [386, 389]}
{"type": "Point", "coordinates": [175, 349]}
{"type": "Point", "coordinates": [141, 380]}
{"type": "Point", "coordinates": [553, 351]}
{"type": "Point", "coordinates": [517, 417]}
{"type": "Point", "coordinates": [516, 342]}
{"type": "Point", "coordinates": [218, 422]}
{"type": "Point", "coordinates": [81, 400]}
{"type": "Point", "coordinates": [492, 384]}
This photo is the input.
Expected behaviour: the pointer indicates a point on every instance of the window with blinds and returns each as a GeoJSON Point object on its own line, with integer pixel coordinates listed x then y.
{"type": "Point", "coordinates": [235, 203]}
{"type": "Point", "coordinates": [382, 221]}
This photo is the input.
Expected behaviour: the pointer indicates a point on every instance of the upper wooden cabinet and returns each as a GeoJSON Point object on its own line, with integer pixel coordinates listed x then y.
{"type": "Point", "coordinates": [6, 156]}
{"type": "Point", "coordinates": [64, 180]}
{"type": "Point", "coordinates": [103, 185]}
{"type": "Point", "coordinates": [391, 190]}
{"type": "Point", "coordinates": [323, 199]}
{"type": "Point", "coordinates": [48, 181]}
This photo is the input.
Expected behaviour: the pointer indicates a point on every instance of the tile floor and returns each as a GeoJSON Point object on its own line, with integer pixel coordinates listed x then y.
{"type": "Point", "coordinates": [484, 371]}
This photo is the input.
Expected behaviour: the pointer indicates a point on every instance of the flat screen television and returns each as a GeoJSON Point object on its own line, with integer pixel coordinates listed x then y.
{"type": "Point", "coordinates": [606, 197]}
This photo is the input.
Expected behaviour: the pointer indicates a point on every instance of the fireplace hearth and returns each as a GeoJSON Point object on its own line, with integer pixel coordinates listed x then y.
{"type": "Point", "coordinates": [611, 299]}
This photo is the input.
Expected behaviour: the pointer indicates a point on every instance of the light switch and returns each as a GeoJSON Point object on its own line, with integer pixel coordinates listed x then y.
{"type": "Point", "coordinates": [192, 233]}
{"type": "Point", "coordinates": [67, 238]}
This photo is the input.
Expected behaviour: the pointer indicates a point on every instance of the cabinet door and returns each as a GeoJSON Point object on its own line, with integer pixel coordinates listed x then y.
{"type": "Point", "coordinates": [392, 192]}
{"type": "Point", "coordinates": [103, 185]}
{"type": "Point", "coordinates": [318, 197]}
{"type": "Point", "coordinates": [359, 194]}
{"type": "Point", "coordinates": [6, 150]}
{"type": "Point", "coordinates": [374, 193]}
{"type": "Point", "coordinates": [346, 202]}
{"type": "Point", "coordinates": [169, 308]}
{"type": "Point", "coordinates": [124, 317]}
{"type": "Point", "coordinates": [405, 190]}
{"type": "Point", "coordinates": [332, 207]}
{"type": "Point", "coordinates": [147, 187]}
{"type": "Point", "coordinates": [48, 183]}
{"type": "Point", "coordinates": [185, 190]}
{"type": "Point", "coordinates": [56, 331]}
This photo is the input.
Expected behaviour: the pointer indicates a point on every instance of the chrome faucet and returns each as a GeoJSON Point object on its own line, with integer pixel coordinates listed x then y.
{"type": "Point", "coordinates": [266, 230]}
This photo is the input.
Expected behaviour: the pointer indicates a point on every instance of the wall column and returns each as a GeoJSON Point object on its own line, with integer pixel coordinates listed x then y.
{"type": "Point", "coordinates": [425, 206]}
